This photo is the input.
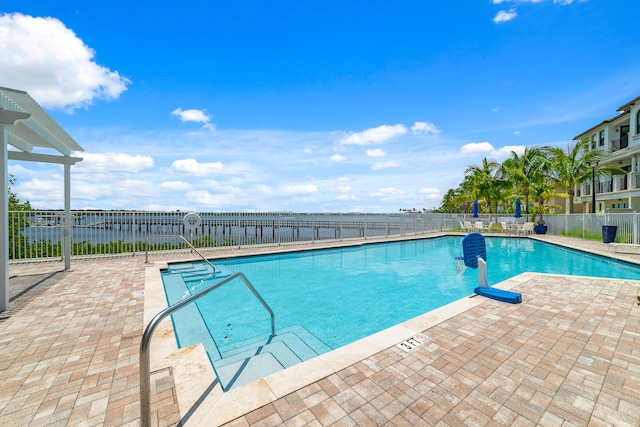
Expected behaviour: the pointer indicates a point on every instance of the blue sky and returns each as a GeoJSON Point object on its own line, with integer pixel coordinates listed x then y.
{"type": "Point", "coordinates": [307, 106]}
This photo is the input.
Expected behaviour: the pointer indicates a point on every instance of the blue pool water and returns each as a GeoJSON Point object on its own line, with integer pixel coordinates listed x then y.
{"type": "Point", "coordinates": [332, 297]}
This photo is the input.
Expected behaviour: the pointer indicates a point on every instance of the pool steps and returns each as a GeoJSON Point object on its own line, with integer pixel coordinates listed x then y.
{"type": "Point", "coordinates": [244, 361]}
{"type": "Point", "coordinates": [257, 359]}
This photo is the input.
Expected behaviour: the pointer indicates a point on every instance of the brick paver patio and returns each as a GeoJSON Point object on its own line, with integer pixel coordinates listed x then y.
{"type": "Point", "coordinates": [568, 355]}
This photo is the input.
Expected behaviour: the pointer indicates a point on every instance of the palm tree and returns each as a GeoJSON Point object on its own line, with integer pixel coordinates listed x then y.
{"type": "Point", "coordinates": [456, 201]}
{"type": "Point", "coordinates": [574, 166]}
{"type": "Point", "coordinates": [525, 170]}
{"type": "Point", "coordinates": [484, 180]}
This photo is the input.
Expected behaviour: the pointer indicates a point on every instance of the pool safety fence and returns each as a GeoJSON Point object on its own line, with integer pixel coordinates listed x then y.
{"type": "Point", "coordinates": [37, 235]}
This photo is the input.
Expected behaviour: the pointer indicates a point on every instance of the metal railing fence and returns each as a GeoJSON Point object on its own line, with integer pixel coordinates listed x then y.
{"type": "Point", "coordinates": [583, 225]}
{"type": "Point", "coordinates": [37, 235]}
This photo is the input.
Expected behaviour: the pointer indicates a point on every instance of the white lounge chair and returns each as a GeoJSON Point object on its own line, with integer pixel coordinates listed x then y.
{"type": "Point", "coordinates": [487, 228]}
{"type": "Point", "coordinates": [479, 227]}
{"type": "Point", "coordinates": [526, 228]}
{"type": "Point", "coordinates": [468, 227]}
{"type": "Point", "coordinates": [505, 227]}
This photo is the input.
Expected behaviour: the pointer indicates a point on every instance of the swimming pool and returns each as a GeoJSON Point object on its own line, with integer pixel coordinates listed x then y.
{"type": "Point", "coordinates": [324, 299]}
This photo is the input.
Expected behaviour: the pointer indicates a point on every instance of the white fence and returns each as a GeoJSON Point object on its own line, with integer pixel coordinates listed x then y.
{"type": "Point", "coordinates": [37, 235]}
{"type": "Point", "coordinates": [585, 226]}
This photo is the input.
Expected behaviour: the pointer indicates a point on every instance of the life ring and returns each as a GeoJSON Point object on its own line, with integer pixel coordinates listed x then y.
{"type": "Point", "coordinates": [192, 220]}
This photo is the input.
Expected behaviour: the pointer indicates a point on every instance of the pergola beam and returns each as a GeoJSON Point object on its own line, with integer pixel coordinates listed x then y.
{"type": "Point", "coordinates": [43, 158]}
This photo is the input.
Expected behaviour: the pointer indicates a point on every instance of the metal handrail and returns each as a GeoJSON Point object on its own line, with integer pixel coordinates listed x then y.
{"type": "Point", "coordinates": [146, 244]}
{"type": "Point", "coordinates": [145, 343]}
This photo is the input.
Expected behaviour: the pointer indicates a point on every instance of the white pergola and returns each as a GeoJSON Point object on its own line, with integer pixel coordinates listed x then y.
{"type": "Point", "coordinates": [25, 125]}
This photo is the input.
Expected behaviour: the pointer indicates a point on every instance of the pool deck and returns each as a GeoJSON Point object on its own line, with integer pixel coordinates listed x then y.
{"type": "Point", "coordinates": [568, 355]}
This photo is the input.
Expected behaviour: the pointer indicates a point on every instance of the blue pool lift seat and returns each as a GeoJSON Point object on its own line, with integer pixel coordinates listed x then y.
{"type": "Point", "coordinates": [474, 249]}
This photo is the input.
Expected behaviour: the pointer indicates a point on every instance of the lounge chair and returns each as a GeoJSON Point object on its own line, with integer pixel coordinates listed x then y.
{"type": "Point", "coordinates": [487, 228]}
{"type": "Point", "coordinates": [479, 227]}
{"type": "Point", "coordinates": [526, 228]}
{"type": "Point", "coordinates": [505, 227]}
{"type": "Point", "coordinates": [468, 226]}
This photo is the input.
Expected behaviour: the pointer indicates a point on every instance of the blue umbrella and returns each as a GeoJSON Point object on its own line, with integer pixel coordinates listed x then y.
{"type": "Point", "coordinates": [475, 209]}
{"type": "Point", "coordinates": [518, 209]}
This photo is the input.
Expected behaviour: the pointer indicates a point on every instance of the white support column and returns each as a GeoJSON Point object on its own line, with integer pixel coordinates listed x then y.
{"type": "Point", "coordinates": [7, 118]}
{"type": "Point", "coordinates": [4, 222]}
{"type": "Point", "coordinates": [66, 232]}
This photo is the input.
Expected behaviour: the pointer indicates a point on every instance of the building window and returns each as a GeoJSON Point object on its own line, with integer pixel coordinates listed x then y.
{"type": "Point", "coordinates": [638, 122]}
{"type": "Point", "coordinates": [593, 141]}
{"type": "Point", "coordinates": [602, 138]}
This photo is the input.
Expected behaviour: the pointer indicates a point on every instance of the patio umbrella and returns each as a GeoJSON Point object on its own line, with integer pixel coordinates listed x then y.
{"type": "Point", "coordinates": [518, 213]}
{"type": "Point", "coordinates": [475, 209]}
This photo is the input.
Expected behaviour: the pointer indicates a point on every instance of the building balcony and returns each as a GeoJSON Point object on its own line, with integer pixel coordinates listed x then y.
{"type": "Point", "coordinates": [617, 184]}
{"type": "Point", "coordinates": [618, 144]}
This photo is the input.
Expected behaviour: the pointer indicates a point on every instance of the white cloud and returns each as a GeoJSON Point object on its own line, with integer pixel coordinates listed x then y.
{"type": "Point", "coordinates": [376, 153]}
{"type": "Point", "coordinates": [385, 165]}
{"type": "Point", "coordinates": [193, 167]}
{"type": "Point", "coordinates": [505, 151]}
{"type": "Point", "coordinates": [489, 150]}
{"type": "Point", "coordinates": [338, 158]}
{"type": "Point", "coordinates": [346, 198]}
{"type": "Point", "coordinates": [517, 132]}
{"type": "Point", "coordinates": [386, 192]}
{"type": "Point", "coordinates": [508, 15]}
{"type": "Point", "coordinates": [289, 190]}
{"type": "Point", "coordinates": [134, 187]}
{"type": "Point", "coordinates": [19, 170]}
{"type": "Point", "coordinates": [429, 191]}
{"type": "Point", "coordinates": [177, 186]}
{"type": "Point", "coordinates": [505, 15]}
{"type": "Point", "coordinates": [212, 201]}
{"type": "Point", "coordinates": [374, 135]}
{"type": "Point", "coordinates": [39, 189]}
{"type": "Point", "coordinates": [476, 147]}
{"type": "Point", "coordinates": [419, 128]}
{"type": "Point", "coordinates": [341, 189]}
{"type": "Point", "coordinates": [107, 162]}
{"type": "Point", "coordinates": [46, 59]}
{"type": "Point", "coordinates": [198, 116]}
{"type": "Point", "coordinates": [495, 109]}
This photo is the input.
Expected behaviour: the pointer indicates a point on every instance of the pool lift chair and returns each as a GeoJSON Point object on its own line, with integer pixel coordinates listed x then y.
{"type": "Point", "coordinates": [474, 251]}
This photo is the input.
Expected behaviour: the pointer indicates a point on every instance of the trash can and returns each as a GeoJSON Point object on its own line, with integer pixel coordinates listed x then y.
{"type": "Point", "coordinates": [609, 233]}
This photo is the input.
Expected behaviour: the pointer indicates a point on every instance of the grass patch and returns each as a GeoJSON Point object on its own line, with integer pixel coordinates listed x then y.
{"type": "Point", "coordinates": [583, 234]}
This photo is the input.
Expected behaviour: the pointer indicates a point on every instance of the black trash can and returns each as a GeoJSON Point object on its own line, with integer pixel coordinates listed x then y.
{"type": "Point", "coordinates": [609, 233]}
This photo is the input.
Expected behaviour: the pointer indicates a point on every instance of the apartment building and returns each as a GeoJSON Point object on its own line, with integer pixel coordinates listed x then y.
{"type": "Point", "coordinates": [619, 139]}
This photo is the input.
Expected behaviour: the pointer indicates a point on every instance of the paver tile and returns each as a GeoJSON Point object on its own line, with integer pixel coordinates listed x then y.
{"type": "Point", "coordinates": [568, 355]}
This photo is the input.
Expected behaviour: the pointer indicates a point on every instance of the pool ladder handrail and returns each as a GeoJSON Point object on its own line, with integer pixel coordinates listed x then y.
{"type": "Point", "coordinates": [145, 343]}
{"type": "Point", "coordinates": [193, 248]}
